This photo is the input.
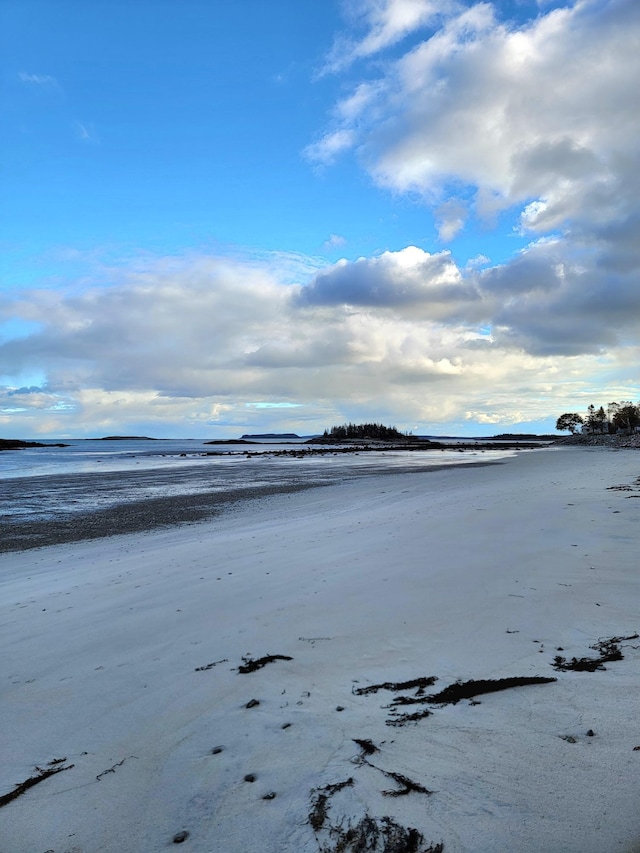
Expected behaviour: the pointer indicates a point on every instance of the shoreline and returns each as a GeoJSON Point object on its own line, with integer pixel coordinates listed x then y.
{"type": "Point", "coordinates": [135, 659]}
{"type": "Point", "coordinates": [154, 513]}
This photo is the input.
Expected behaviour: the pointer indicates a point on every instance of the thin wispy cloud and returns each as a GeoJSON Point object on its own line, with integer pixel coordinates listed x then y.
{"type": "Point", "coordinates": [85, 132]}
{"type": "Point", "coordinates": [38, 80]}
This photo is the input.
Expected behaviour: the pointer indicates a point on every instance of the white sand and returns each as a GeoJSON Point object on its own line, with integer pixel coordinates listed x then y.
{"type": "Point", "coordinates": [461, 574]}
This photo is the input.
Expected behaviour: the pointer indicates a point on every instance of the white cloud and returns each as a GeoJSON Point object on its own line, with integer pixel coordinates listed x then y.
{"type": "Point", "coordinates": [192, 345]}
{"type": "Point", "coordinates": [450, 217]}
{"type": "Point", "coordinates": [385, 23]}
{"type": "Point", "coordinates": [38, 79]}
{"type": "Point", "coordinates": [326, 149]}
{"type": "Point", "coordinates": [541, 118]}
{"type": "Point", "coordinates": [546, 112]}
{"type": "Point", "coordinates": [335, 241]}
{"type": "Point", "coordinates": [431, 285]}
{"type": "Point", "coordinates": [85, 132]}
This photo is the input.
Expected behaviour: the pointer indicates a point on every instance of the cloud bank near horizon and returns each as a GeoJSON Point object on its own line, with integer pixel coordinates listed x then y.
{"type": "Point", "coordinates": [406, 336]}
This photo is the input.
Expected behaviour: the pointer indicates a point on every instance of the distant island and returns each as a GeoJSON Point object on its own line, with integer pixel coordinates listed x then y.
{"type": "Point", "coordinates": [270, 435]}
{"type": "Point", "coordinates": [16, 444]}
{"type": "Point", "coordinates": [364, 432]}
{"type": "Point", "coordinates": [126, 438]}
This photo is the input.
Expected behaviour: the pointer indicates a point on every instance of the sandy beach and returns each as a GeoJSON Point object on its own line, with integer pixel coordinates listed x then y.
{"type": "Point", "coordinates": [276, 679]}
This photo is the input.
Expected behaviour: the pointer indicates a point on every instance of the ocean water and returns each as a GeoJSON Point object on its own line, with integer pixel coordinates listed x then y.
{"type": "Point", "coordinates": [88, 475]}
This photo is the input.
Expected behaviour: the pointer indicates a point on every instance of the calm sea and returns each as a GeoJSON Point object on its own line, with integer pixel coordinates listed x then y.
{"type": "Point", "coordinates": [88, 475]}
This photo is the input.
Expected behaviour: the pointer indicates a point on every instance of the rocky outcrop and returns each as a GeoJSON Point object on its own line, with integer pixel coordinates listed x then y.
{"type": "Point", "coordinates": [603, 440]}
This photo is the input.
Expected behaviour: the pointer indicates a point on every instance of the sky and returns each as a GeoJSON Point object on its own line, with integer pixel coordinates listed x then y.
{"type": "Point", "coordinates": [279, 215]}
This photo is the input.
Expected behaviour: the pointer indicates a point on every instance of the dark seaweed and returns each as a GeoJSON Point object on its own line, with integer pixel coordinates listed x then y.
{"type": "Point", "coordinates": [401, 719]}
{"type": "Point", "coordinates": [320, 802]}
{"type": "Point", "coordinates": [51, 769]}
{"type": "Point", "coordinates": [467, 689]}
{"type": "Point", "coordinates": [425, 681]}
{"type": "Point", "coordinates": [377, 835]}
{"type": "Point", "coordinates": [252, 665]}
{"type": "Point", "coordinates": [406, 785]}
{"type": "Point", "coordinates": [609, 651]}
{"type": "Point", "coordinates": [368, 747]}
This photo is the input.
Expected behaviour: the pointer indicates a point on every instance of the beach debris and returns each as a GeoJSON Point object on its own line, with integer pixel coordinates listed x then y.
{"type": "Point", "coordinates": [368, 747]}
{"type": "Point", "coordinates": [591, 733]}
{"type": "Point", "coordinates": [369, 834]}
{"type": "Point", "coordinates": [42, 773]}
{"type": "Point", "coordinates": [250, 777]}
{"type": "Point", "coordinates": [339, 707]}
{"type": "Point", "coordinates": [181, 836]}
{"type": "Point", "coordinates": [252, 703]}
{"type": "Point", "coordinates": [112, 769]}
{"type": "Point", "coordinates": [406, 785]}
{"type": "Point", "coordinates": [409, 700]}
{"type": "Point", "coordinates": [420, 683]}
{"type": "Point", "coordinates": [468, 689]}
{"type": "Point", "coordinates": [270, 796]}
{"type": "Point", "coordinates": [320, 801]}
{"type": "Point", "coordinates": [210, 665]}
{"type": "Point", "coordinates": [250, 665]}
{"type": "Point", "coordinates": [401, 719]}
{"type": "Point", "coordinates": [609, 650]}
{"type": "Point", "coordinates": [449, 696]}
{"type": "Point", "coordinates": [377, 835]}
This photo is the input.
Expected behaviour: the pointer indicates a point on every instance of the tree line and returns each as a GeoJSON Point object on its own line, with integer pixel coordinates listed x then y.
{"type": "Point", "coordinates": [618, 417]}
{"type": "Point", "coordinates": [364, 431]}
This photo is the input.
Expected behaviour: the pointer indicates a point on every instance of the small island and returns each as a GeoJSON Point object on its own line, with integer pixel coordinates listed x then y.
{"type": "Point", "coordinates": [365, 433]}
{"type": "Point", "coordinates": [126, 438]}
{"type": "Point", "coordinates": [270, 436]}
{"type": "Point", "coordinates": [17, 444]}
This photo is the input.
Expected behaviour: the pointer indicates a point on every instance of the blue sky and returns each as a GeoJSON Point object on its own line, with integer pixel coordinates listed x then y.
{"type": "Point", "coordinates": [257, 216]}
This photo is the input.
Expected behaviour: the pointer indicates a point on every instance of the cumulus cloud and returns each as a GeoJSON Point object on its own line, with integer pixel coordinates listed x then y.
{"type": "Point", "coordinates": [197, 343]}
{"type": "Point", "coordinates": [429, 284]}
{"type": "Point", "coordinates": [539, 118]}
{"type": "Point", "coordinates": [546, 112]}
